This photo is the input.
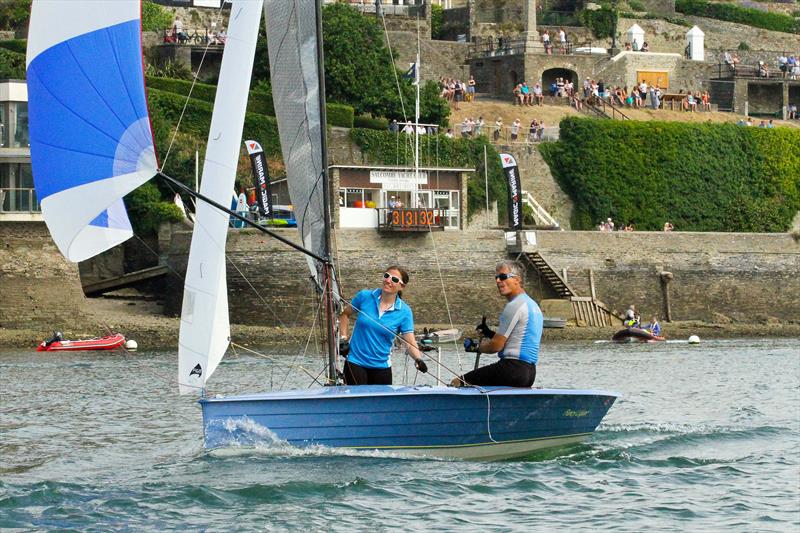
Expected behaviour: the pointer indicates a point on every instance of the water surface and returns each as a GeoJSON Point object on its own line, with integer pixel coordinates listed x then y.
{"type": "Point", "coordinates": [704, 438]}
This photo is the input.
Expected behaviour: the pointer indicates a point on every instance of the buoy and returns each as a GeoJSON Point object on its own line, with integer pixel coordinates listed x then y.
{"type": "Point", "coordinates": [694, 339]}
{"type": "Point", "coordinates": [131, 345]}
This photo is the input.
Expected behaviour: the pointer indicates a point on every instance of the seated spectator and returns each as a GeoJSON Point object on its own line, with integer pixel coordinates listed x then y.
{"type": "Point", "coordinates": [792, 111]}
{"type": "Point", "coordinates": [763, 71]}
{"type": "Point", "coordinates": [537, 94]}
{"type": "Point", "coordinates": [635, 46]}
{"type": "Point", "coordinates": [519, 98]}
{"type": "Point", "coordinates": [691, 104]}
{"type": "Point", "coordinates": [627, 47]}
{"type": "Point", "coordinates": [527, 99]}
{"type": "Point", "coordinates": [668, 226]}
{"type": "Point", "coordinates": [449, 134]}
{"type": "Point", "coordinates": [553, 88]}
{"type": "Point", "coordinates": [169, 37]}
{"type": "Point", "coordinates": [706, 99]}
{"type": "Point", "coordinates": [645, 47]}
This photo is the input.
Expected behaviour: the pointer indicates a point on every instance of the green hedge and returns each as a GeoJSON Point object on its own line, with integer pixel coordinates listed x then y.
{"type": "Point", "coordinates": [701, 177]}
{"type": "Point", "coordinates": [12, 65]}
{"type": "Point", "coordinates": [386, 148]}
{"type": "Point", "coordinates": [600, 21]}
{"type": "Point", "coordinates": [371, 123]}
{"type": "Point", "coordinates": [259, 101]}
{"type": "Point", "coordinates": [339, 115]}
{"type": "Point", "coordinates": [740, 15]}
{"type": "Point", "coordinates": [19, 46]}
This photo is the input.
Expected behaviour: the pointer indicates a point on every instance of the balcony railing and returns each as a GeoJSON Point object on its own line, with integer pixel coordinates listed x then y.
{"type": "Point", "coordinates": [19, 201]}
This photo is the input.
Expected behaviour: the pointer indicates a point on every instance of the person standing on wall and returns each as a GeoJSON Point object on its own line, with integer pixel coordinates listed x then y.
{"type": "Point", "coordinates": [516, 340]}
{"type": "Point", "coordinates": [382, 316]}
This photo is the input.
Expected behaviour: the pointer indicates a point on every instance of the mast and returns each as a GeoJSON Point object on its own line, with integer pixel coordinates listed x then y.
{"type": "Point", "coordinates": [327, 266]}
{"type": "Point", "coordinates": [416, 125]}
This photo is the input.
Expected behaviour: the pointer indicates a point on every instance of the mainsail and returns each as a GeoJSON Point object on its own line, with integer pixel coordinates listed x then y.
{"type": "Point", "coordinates": [90, 135]}
{"type": "Point", "coordinates": [292, 42]}
{"type": "Point", "coordinates": [205, 329]}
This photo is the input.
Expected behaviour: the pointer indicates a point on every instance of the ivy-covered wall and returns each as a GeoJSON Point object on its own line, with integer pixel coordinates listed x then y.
{"type": "Point", "coordinates": [387, 148]}
{"type": "Point", "coordinates": [700, 177]}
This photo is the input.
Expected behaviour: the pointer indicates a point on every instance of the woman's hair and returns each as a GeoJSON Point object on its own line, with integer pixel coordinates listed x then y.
{"type": "Point", "coordinates": [403, 276]}
{"type": "Point", "coordinates": [513, 268]}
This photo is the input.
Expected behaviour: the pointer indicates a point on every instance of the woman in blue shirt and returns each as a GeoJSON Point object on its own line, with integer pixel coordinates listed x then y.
{"type": "Point", "coordinates": [382, 316]}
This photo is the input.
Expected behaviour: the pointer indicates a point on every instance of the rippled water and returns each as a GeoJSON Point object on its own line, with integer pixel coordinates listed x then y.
{"type": "Point", "coordinates": [704, 438]}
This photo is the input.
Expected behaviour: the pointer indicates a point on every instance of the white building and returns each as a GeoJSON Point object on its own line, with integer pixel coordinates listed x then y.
{"type": "Point", "coordinates": [18, 201]}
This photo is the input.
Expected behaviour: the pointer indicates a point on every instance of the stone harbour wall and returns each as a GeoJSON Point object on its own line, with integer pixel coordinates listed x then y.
{"type": "Point", "coordinates": [38, 287]}
{"type": "Point", "coordinates": [740, 277]}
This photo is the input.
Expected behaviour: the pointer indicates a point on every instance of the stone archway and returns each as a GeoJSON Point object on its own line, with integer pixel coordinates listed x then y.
{"type": "Point", "coordinates": [550, 75]}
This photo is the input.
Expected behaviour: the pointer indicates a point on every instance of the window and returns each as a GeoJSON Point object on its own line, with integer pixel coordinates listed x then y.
{"type": "Point", "coordinates": [21, 139]}
{"type": "Point", "coordinates": [3, 126]}
{"type": "Point", "coordinates": [16, 188]}
{"type": "Point", "coordinates": [358, 198]}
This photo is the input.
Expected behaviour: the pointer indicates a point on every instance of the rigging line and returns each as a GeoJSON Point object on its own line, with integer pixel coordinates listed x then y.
{"type": "Point", "coordinates": [189, 94]}
{"type": "Point", "coordinates": [311, 331]}
{"type": "Point", "coordinates": [394, 67]}
{"type": "Point", "coordinates": [269, 358]}
{"type": "Point", "coordinates": [261, 298]}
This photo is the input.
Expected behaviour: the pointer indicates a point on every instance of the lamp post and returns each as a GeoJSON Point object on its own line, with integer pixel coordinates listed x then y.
{"type": "Point", "coordinates": [614, 50]}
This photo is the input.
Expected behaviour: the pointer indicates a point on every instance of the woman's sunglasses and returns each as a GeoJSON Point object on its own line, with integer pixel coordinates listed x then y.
{"type": "Point", "coordinates": [395, 279]}
{"type": "Point", "coordinates": [504, 276]}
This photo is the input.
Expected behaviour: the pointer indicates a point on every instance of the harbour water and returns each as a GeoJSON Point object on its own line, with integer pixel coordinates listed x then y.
{"type": "Point", "coordinates": [705, 438]}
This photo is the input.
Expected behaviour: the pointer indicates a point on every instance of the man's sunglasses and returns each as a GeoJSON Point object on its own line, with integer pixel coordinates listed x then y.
{"type": "Point", "coordinates": [395, 279]}
{"type": "Point", "coordinates": [504, 276]}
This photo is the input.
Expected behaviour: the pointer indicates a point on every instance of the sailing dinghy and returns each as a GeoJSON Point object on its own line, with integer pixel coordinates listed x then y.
{"type": "Point", "coordinates": [91, 144]}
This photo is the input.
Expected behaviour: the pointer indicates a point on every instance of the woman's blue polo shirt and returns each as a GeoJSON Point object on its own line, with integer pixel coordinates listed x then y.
{"type": "Point", "coordinates": [373, 335]}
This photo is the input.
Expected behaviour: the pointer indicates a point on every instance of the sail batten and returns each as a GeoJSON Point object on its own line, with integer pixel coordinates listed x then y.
{"type": "Point", "coordinates": [205, 327]}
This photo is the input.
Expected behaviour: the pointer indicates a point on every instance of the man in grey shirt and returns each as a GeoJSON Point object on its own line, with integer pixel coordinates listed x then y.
{"type": "Point", "coordinates": [516, 341]}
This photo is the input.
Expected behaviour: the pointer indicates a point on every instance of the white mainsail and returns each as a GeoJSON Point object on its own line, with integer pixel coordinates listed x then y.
{"type": "Point", "coordinates": [205, 329]}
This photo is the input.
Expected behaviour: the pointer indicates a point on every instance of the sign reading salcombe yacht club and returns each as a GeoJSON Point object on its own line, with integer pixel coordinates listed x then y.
{"type": "Point", "coordinates": [398, 180]}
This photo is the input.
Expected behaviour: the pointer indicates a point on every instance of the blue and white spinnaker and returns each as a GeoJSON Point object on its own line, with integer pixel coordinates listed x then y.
{"type": "Point", "coordinates": [91, 140]}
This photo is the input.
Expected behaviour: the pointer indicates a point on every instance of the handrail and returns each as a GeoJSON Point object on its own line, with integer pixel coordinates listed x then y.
{"type": "Point", "coordinates": [539, 211]}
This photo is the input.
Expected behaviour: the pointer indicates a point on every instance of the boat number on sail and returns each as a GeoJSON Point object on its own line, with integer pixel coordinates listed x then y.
{"type": "Point", "coordinates": [196, 371]}
{"type": "Point", "coordinates": [575, 414]}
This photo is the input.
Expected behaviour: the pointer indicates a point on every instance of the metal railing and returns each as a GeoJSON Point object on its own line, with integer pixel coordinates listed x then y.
{"type": "Point", "coordinates": [504, 134]}
{"type": "Point", "coordinates": [19, 200]}
{"type": "Point", "coordinates": [516, 46]}
{"type": "Point", "coordinates": [368, 6]}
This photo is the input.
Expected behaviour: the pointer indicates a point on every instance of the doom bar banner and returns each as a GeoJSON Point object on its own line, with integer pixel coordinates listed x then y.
{"type": "Point", "coordinates": [514, 191]}
{"type": "Point", "coordinates": [260, 178]}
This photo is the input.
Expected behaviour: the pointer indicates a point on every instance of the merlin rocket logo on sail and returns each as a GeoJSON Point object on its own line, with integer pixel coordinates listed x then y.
{"type": "Point", "coordinates": [196, 371]}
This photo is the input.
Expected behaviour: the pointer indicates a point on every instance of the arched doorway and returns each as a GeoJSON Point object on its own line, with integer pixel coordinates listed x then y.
{"type": "Point", "coordinates": [550, 75]}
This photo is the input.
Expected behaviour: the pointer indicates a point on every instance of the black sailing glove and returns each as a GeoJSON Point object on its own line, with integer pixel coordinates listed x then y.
{"type": "Point", "coordinates": [471, 345]}
{"type": "Point", "coordinates": [484, 330]}
{"type": "Point", "coordinates": [421, 366]}
{"type": "Point", "coordinates": [344, 347]}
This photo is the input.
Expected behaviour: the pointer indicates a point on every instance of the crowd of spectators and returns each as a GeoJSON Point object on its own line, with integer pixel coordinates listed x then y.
{"type": "Point", "coordinates": [178, 35]}
{"type": "Point", "coordinates": [456, 91]}
{"type": "Point", "coordinates": [609, 225]}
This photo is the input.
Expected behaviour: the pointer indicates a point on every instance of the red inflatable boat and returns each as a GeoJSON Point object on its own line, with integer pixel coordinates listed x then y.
{"type": "Point", "coordinates": [58, 344]}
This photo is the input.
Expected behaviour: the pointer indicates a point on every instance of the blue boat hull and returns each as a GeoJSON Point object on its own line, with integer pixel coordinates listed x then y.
{"type": "Point", "coordinates": [469, 423]}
